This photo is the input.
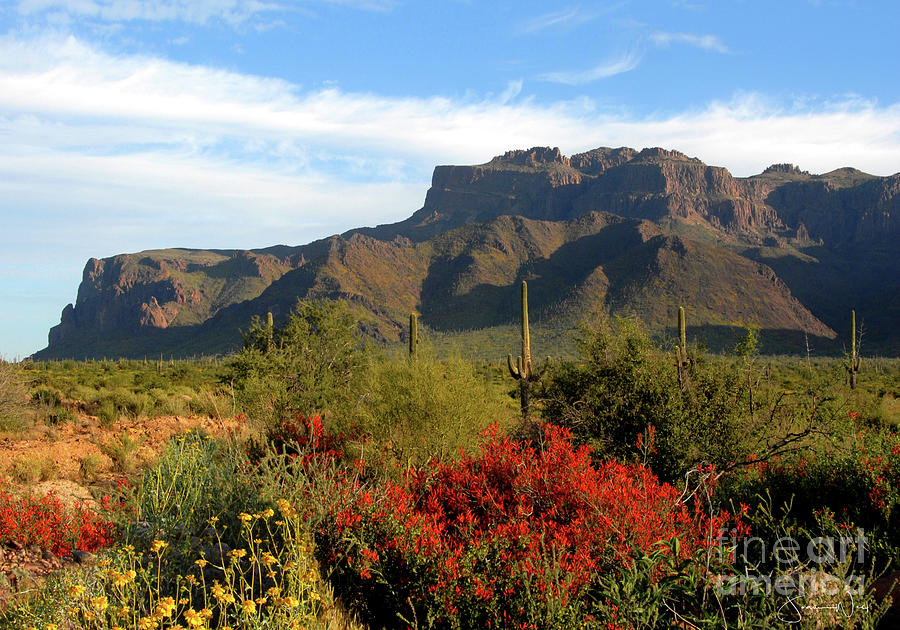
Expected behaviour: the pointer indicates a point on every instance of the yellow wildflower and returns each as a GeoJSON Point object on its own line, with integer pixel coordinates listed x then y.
{"type": "Point", "coordinates": [193, 618]}
{"type": "Point", "coordinates": [147, 623]}
{"type": "Point", "coordinates": [244, 517]}
{"type": "Point", "coordinates": [268, 559]}
{"type": "Point", "coordinates": [98, 603]}
{"type": "Point", "coordinates": [290, 602]}
{"type": "Point", "coordinates": [268, 513]}
{"type": "Point", "coordinates": [51, 626]}
{"type": "Point", "coordinates": [76, 590]}
{"type": "Point", "coordinates": [238, 553]}
{"type": "Point", "coordinates": [249, 606]}
{"type": "Point", "coordinates": [158, 545]}
{"type": "Point", "coordinates": [201, 563]}
{"type": "Point", "coordinates": [165, 607]}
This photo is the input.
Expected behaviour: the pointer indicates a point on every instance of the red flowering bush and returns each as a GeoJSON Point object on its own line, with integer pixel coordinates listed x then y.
{"type": "Point", "coordinates": [514, 536]}
{"type": "Point", "coordinates": [46, 522]}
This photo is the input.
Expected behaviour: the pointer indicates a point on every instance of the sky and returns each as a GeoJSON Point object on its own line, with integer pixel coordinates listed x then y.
{"type": "Point", "coordinates": [128, 125]}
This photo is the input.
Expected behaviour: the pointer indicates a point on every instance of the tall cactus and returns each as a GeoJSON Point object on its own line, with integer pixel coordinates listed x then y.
{"type": "Point", "coordinates": [270, 330]}
{"type": "Point", "coordinates": [413, 334]}
{"type": "Point", "coordinates": [682, 361]}
{"type": "Point", "coordinates": [853, 368]}
{"type": "Point", "coordinates": [522, 370]}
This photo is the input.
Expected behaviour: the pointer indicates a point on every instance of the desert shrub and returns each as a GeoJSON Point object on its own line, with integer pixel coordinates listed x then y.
{"type": "Point", "coordinates": [314, 362]}
{"type": "Point", "coordinates": [61, 415]}
{"type": "Point", "coordinates": [12, 397]}
{"type": "Point", "coordinates": [196, 478]}
{"type": "Point", "coordinates": [211, 403]}
{"type": "Point", "coordinates": [428, 408]}
{"type": "Point", "coordinates": [107, 412]}
{"type": "Point", "coordinates": [46, 396]}
{"type": "Point", "coordinates": [626, 384]}
{"type": "Point", "coordinates": [123, 451]}
{"type": "Point", "coordinates": [89, 467]}
{"type": "Point", "coordinates": [28, 469]}
{"type": "Point", "coordinates": [511, 537]}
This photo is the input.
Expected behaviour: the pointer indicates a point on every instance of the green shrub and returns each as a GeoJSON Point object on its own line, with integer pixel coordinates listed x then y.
{"type": "Point", "coordinates": [196, 478]}
{"type": "Point", "coordinates": [123, 452]}
{"type": "Point", "coordinates": [28, 470]}
{"type": "Point", "coordinates": [428, 408]}
{"type": "Point", "coordinates": [46, 396]}
{"type": "Point", "coordinates": [626, 384]}
{"type": "Point", "coordinates": [89, 467]}
{"type": "Point", "coordinates": [107, 412]}
{"type": "Point", "coordinates": [12, 397]}
{"type": "Point", "coordinates": [61, 415]}
{"type": "Point", "coordinates": [314, 363]}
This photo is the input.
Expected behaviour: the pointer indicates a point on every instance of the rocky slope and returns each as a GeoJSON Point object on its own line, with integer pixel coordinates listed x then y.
{"type": "Point", "coordinates": [632, 231]}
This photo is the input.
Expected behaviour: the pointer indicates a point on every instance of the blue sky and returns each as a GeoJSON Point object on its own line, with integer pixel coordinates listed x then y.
{"type": "Point", "coordinates": [128, 125]}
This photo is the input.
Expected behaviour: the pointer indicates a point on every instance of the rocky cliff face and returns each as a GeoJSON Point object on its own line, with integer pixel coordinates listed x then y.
{"type": "Point", "coordinates": [638, 231]}
{"type": "Point", "coordinates": [158, 289]}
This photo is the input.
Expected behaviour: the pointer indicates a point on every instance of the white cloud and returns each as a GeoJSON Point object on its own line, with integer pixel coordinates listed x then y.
{"type": "Point", "coordinates": [570, 15]}
{"type": "Point", "coordinates": [608, 68]}
{"type": "Point", "coordinates": [706, 42]}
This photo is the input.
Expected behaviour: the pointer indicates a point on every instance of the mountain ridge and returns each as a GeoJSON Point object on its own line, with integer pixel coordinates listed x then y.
{"type": "Point", "coordinates": [733, 251]}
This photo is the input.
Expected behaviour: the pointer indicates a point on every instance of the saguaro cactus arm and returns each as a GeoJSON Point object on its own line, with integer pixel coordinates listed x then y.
{"type": "Point", "coordinates": [513, 369]}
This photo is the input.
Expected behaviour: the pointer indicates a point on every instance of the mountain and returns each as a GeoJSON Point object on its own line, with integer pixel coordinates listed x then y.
{"type": "Point", "coordinates": [623, 230]}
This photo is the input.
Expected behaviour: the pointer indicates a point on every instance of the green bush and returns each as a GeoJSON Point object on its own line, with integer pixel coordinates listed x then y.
{"type": "Point", "coordinates": [196, 478]}
{"type": "Point", "coordinates": [46, 396]}
{"type": "Point", "coordinates": [12, 397]}
{"type": "Point", "coordinates": [626, 384]}
{"type": "Point", "coordinates": [61, 415]}
{"type": "Point", "coordinates": [314, 363]}
{"type": "Point", "coordinates": [107, 412]}
{"type": "Point", "coordinates": [428, 408]}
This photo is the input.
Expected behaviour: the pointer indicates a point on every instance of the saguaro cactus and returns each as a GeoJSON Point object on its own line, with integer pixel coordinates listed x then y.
{"type": "Point", "coordinates": [682, 361]}
{"type": "Point", "coordinates": [522, 370]}
{"type": "Point", "coordinates": [853, 368]}
{"type": "Point", "coordinates": [413, 334]}
{"type": "Point", "coordinates": [270, 329]}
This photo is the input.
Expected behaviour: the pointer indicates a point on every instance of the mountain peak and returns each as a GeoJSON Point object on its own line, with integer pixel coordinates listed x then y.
{"type": "Point", "coordinates": [790, 169]}
{"type": "Point", "coordinates": [534, 156]}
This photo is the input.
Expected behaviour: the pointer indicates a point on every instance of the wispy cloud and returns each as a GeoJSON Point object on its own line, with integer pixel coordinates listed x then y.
{"type": "Point", "coordinates": [608, 68]}
{"type": "Point", "coordinates": [190, 11]}
{"type": "Point", "coordinates": [706, 42]}
{"type": "Point", "coordinates": [569, 16]}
